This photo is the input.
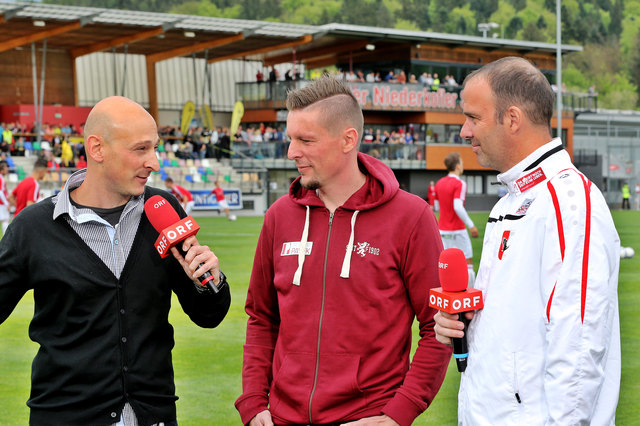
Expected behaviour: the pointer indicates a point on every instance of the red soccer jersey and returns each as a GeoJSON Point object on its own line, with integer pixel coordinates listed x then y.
{"type": "Point", "coordinates": [449, 188]}
{"type": "Point", "coordinates": [431, 195]}
{"type": "Point", "coordinates": [181, 194]}
{"type": "Point", "coordinates": [3, 191]}
{"type": "Point", "coordinates": [219, 192]}
{"type": "Point", "coordinates": [27, 190]}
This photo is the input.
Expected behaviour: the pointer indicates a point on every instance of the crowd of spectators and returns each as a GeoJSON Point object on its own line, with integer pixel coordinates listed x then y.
{"type": "Point", "coordinates": [62, 146]}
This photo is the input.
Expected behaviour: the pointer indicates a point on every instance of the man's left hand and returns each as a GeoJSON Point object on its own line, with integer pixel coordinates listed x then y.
{"type": "Point", "coordinates": [383, 420]}
{"type": "Point", "coordinates": [195, 255]}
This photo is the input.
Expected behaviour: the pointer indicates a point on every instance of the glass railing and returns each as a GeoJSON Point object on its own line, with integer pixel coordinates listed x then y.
{"type": "Point", "coordinates": [386, 96]}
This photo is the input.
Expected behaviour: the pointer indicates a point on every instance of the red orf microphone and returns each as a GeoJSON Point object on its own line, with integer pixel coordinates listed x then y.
{"type": "Point", "coordinates": [172, 229]}
{"type": "Point", "coordinates": [454, 297]}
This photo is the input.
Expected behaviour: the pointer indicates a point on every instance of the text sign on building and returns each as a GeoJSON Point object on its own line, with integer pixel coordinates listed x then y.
{"type": "Point", "coordinates": [389, 96]}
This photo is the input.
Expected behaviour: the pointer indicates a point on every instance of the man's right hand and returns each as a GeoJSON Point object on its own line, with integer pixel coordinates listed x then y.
{"type": "Point", "coordinates": [448, 326]}
{"type": "Point", "coordinates": [474, 232]}
{"type": "Point", "coordinates": [263, 418]}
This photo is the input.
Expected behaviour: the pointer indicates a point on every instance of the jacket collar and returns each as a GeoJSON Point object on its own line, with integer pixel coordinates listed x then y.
{"type": "Point", "coordinates": [541, 164]}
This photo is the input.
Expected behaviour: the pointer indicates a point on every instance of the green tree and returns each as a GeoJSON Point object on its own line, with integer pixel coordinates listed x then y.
{"type": "Point", "coordinates": [518, 5]}
{"type": "Point", "coordinates": [532, 33]}
{"type": "Point", "coordinates": [415, 11]}
{"type": "Point", "coordinates": [617, 14]}
{"type": "Point", "coordinates": [634, 67]}
{"type": "Point", "coordinates": [550, 5]}
{"type": "Point", "coordinates": [515, 25]}
{"type": "Point", "coordinates": [483, 8]}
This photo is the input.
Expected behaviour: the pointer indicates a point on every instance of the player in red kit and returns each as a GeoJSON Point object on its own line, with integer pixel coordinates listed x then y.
{"type": "Point", "coordinates": [28, 191]}
{"type": "Point", "coordinates": [222, 202]}
{"type": "Point", "coordinates": [182, 194]}
{"type": "Point", "coordinates": [451, 192]}
{"type": "Point", "coordinates": [431, 194]}
{"type": "Point", "coordinates": [4, 197]}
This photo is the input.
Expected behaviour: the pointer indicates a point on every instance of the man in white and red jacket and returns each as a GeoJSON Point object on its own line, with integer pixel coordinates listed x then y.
{"type": "Point", "coordinates": [344, 264]}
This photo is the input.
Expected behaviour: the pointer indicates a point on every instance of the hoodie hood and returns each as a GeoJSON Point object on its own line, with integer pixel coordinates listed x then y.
{"type": "Point", "coordinates": [380, 187]}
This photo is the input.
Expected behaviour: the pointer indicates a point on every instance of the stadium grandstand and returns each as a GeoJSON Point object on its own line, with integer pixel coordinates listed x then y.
{"type": "Point", "coordinates": [198, 74]}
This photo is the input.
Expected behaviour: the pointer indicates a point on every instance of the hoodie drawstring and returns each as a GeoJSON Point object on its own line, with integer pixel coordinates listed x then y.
{"type": "Point", "coordinates": [346, 263]}
{"type": "Point", "coordinates": [302, 250]}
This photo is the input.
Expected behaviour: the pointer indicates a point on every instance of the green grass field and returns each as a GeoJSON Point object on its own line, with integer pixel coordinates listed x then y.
{"type": "Point", "coordinates": [208, 363]}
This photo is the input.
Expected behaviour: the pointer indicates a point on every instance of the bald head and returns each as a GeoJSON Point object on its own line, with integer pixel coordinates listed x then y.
{"type": "Point", "coordinates": [111, 114]}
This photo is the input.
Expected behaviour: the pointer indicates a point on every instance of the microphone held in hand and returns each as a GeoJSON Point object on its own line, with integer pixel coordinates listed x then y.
{"type": "Point", "coordinates": [455, 298]}
{"type": "Point", "coordinates": [173, 230]}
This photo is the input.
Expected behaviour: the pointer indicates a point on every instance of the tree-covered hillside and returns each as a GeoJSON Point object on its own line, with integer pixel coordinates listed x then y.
{"type": "Point", "coordinates": [608, 29]}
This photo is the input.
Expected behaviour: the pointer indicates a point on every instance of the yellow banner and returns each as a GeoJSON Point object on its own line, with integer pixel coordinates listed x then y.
{"type": "Point", "coordinates": [236, 117]}
{"type": "Point", "coordinates": [206, 116]}
{"type": "Point", "coordinates": [188, 111]}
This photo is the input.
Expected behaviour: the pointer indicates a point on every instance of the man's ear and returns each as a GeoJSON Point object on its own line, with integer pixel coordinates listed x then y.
{"type": "Point", "coordinates": [351, 138]}
{"type": "Point", "coordinates": [94, 145]}
{"type": "Point", "coordinates": [513, 118]}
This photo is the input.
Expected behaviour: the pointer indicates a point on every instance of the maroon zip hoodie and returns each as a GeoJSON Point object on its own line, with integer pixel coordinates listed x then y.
{"type": "Point", "coordinates": [329, 329]}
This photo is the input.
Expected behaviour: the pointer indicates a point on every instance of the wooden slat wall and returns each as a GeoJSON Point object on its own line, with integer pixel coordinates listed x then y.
{"type": "Point", "coordinates": [16, 85]}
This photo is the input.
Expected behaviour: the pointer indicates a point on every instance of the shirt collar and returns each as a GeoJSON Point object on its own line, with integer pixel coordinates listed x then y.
{"type": "Point", "coordinates": [63, 203]}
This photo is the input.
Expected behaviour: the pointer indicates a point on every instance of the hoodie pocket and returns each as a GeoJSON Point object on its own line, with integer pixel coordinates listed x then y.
{"type": "Point", "coordinates": [291, 387]}
{"type": "Point", "coordinates": [332, 392]}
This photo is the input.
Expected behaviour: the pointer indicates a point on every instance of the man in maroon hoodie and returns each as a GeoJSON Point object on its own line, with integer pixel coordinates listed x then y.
{"type": "Point", "coordinates": [344, 264]}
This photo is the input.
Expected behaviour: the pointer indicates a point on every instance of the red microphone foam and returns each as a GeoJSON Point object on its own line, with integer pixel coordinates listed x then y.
{"type": "Point", "coordinates": [454, 296]}
{"type": "Point", "coordinates": [452, 269]}
{"type": "Point", "coordinates": [160, 213]}
{"type": "Point", "coordinates": [166, 221]}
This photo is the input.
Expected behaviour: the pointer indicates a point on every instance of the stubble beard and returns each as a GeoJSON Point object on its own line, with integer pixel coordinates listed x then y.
{"type": "Point", "coordinates": [311, 185]}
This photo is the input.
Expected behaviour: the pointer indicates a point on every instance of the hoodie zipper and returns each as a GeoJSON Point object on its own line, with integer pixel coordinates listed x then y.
{"type": "Point", "coordinates": [324, 286]}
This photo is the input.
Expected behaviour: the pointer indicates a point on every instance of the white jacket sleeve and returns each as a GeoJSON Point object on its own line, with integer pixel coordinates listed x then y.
{"type": "Point", "coordinates": [458, 207]}
{"type": "Point", "coordinates": [579, 287]}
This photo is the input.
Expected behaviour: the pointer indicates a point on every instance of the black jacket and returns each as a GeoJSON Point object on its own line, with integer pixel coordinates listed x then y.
{"type": "Point", "coordinates": [103, 341]}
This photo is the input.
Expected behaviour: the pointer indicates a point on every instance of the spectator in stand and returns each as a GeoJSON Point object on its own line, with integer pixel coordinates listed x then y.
{"type": "Point", "coordinates": [4, 196]}
{"type": "Point", "coordinates": [435, 85]}
{"type": "Point", "coordinates": [390, 77]}
{"type": "Point", "coordinates": [222, 202]}
{"type": "Point", "coordinates": [273, 75]}
{"type": "Point", "coordinates": [412, 79]}
{"type": "Point", "coordinates": [7, 139]}
{"type": "Point", "coordinates": [423, 78]}
{"type": "Point", "coordinates": [81, 163]}
{"type": "Point", "coordinates": [259, 76]}
{"type": "Point", "coordinates": [182, 194]}
{"type": "Point", "coordinates": [429, 80]}
{"type": "Point", "coordinates": [223, 147]}
{"type": "Point", "coordinates": [451, 193]}
{"type": "Point", "coordinates": [402, 78]}
{"type": "Point", "coordinates": [66, 153]}
{"type": "Point", "coordinates": [28, 191]}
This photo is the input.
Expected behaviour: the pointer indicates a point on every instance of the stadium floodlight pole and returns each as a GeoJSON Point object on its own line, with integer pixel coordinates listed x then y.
{"type": "Point", "coordinates": [559, 67]}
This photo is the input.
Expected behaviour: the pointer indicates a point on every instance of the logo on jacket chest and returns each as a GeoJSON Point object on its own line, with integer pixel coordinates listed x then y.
{"type": "Point", "coordinates": [532, 179]}
{"type": "Point", "coordinates": [362, 249]}
{"type": "Point", "coordinates": [293, 248]}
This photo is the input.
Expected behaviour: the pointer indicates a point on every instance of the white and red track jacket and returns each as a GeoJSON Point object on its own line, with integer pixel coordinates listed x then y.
{"type": "Point", "coordinates": [546, 347]}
